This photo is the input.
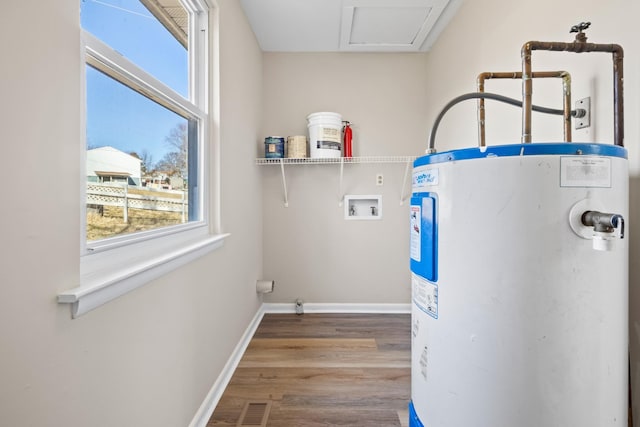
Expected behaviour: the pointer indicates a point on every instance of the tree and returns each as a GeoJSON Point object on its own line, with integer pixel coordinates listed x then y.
{"type": "Point", "coordinates": [147, 162]}
{"type": "Point", "coordinates": [175, 161]}
{"type": "Point", "coordinates": [172, 164]}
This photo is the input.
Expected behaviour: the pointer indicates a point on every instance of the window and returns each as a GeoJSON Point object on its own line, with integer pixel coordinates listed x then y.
{"type": "Point", "coordinates": [143, 123]}
{"type": "Point", "coordinates": [145, 166]}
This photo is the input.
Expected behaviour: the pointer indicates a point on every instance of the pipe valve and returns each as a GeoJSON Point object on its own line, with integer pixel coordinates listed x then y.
{"type": "Point", "coordinates": [604, 226]}
{"type": "Point", "coordinates": [581, 37]}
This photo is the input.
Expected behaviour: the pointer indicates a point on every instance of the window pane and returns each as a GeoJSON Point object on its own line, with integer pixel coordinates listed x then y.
{"type": "Point", "coordinates": [139, 155]}
{"type": "Point", "coordinates": [155, 42]}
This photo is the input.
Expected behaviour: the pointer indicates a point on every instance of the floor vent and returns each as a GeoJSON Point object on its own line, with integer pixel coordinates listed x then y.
{"type": "Point", "coordinates": [255, 413]}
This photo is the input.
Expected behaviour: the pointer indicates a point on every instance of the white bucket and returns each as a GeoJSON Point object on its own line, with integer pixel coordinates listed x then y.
{"type": "Point", "coordinates": [325, 135]}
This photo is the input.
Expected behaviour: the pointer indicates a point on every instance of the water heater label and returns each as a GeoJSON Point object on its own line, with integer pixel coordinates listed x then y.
{"type": "Point", "coordinates": [425, 178]}
{"type": "Point", "coordinates": [584, 171]}
{"type": "Point", "coordinates": [425, 295]}
{"type": "Point", "coordinates": [416, 240]}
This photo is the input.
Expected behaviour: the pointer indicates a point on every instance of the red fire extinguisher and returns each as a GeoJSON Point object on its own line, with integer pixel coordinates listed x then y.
{"type": "Point", "coordinates": [347, 139]}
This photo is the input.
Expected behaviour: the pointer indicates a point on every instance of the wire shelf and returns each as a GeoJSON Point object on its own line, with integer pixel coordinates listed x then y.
{"type": "Point", "coordinates": [336, 160]}
{"type": "Point", "coordinates": [406, 160]}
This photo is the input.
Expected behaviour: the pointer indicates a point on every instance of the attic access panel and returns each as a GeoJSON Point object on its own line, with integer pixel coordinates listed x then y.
{"type": "Point", "coordinates": [388, 25]}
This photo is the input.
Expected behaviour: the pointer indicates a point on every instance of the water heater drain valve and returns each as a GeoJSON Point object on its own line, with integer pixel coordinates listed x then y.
{"type": "Point", "coordinates": [604, 227]}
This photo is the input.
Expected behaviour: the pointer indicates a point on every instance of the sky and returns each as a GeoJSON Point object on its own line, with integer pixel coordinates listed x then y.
{"type": "Point", "coordinates": [116, 115]}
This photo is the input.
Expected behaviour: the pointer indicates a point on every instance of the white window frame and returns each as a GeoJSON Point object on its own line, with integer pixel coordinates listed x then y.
{"type": "Point", "coordinates": [111, 267]}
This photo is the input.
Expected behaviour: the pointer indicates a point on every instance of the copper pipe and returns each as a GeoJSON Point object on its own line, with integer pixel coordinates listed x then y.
{"type": "Point", "coordinates": [578, 46]}
{"type": "Point", "coordinates": [566, 92]}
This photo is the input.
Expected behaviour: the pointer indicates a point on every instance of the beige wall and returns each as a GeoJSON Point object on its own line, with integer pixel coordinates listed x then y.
{"type": "Point", "coordinates": [151, 356]}
{"type": "Point", "coordinates": [488, 36]}
{"type": "Point", "coordinates": [309, 249]}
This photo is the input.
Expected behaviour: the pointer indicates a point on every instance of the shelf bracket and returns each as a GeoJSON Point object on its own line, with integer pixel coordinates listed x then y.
{"type": "Point", "coordinates": [284, 184]}
{"type": "Point", "coordinates": [340, 190]}
{"type": "Point", "coordinates": [403, 197]}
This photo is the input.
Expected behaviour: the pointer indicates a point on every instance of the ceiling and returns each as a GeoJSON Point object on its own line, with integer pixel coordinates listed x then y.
{"type": "Point", "coordinates": [348, 25]}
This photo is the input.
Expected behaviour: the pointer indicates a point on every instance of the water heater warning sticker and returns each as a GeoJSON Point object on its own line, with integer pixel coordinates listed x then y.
{"type": "Point", "coordinates": [584, 171]}
{"type": "Point", "coordinates": [425, 295]}
{"type": "Point", "coordinates": [415, 233]}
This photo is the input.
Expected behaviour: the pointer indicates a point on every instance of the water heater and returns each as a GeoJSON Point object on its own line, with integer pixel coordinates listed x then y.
{"type": "Point", "coordinates": [519, 270]}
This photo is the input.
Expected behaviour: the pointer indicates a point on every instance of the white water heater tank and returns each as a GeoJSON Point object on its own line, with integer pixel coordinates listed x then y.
{"type": "Point", "coordinates": [519, 264]}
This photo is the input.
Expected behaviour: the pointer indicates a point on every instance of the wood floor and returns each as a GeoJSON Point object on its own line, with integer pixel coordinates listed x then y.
{"type": "Point", "coordinates": [324, 370]}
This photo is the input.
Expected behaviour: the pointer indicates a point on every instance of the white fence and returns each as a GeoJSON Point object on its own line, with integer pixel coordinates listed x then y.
{"type": "Point", "coordinates": [118, 195]}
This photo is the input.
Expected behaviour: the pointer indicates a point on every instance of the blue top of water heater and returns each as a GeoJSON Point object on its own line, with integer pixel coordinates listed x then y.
{"type": "Point", "coordinates": [533, 149]}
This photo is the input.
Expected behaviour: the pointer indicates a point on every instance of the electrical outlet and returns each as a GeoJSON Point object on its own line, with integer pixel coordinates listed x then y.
{"type": "Point", "coordinates": [379, 179]}
{"type": "Point", "coordinates": [584, 104]}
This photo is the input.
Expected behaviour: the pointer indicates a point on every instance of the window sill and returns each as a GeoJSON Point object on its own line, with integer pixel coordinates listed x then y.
{"type": "Point", "coordinates": [102, 286]}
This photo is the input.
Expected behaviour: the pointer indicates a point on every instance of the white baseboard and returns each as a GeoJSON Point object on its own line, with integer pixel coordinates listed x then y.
{"type": "Point", "coordinates": [338, 308]}
{"type": "Point", "coordinates": [213, 397]}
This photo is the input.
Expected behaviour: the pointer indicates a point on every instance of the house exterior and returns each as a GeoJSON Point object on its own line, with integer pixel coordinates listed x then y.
{"type": "Point", "coordinates": [108, 164]}
{"type": "Point", "coordinates": [164, 181]}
